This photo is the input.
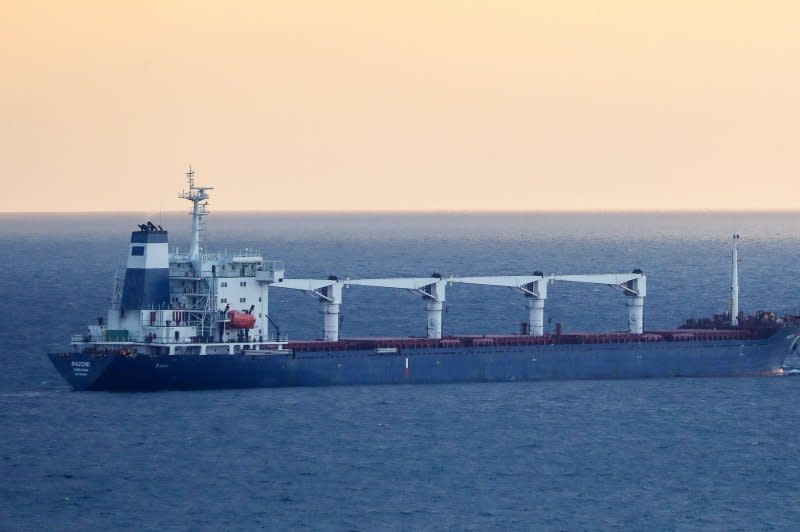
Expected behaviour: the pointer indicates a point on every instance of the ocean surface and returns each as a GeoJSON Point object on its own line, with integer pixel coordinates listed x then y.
{"type": "Point", "coordinates": [675, 454]}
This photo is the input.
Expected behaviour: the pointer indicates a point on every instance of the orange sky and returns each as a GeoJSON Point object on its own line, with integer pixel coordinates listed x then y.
{"type": "Point", "coordinates": [407, 105]}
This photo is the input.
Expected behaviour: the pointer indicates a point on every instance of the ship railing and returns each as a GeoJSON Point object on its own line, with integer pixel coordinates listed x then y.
{"type": "Point", "coordinates": [173, 324]}
{"type": "Point", "coordinates": [177, 273]}
{"type": "Point", "coordinates": [228, 255]}
{"type": "Point", "coordinates": [166, 341]}
{"type": "Point", "coordinates": [193, 341]}
{"type": "Point", "coordinates": [247, 252]}
{"type": "Point", "coordinates": [169, 340]}
{"type": "Point", "coordinates": [270, 271]}
{"type": "Point", "coordinates": [271, 266]}
{"type": "Point", "coordinates": [222, 274]}
{"type": "Point", "coordinates": [172, 306]}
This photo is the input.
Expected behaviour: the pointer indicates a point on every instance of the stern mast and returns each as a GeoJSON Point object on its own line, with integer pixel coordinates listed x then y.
{"type": "Point", "coordinates": [733, 302]}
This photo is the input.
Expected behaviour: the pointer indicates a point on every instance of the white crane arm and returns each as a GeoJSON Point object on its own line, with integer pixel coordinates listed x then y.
{"type": "Point", "coordinates": [307, 285]}
{"type": "Point", "coordinates": [599, 278]}
{"type": "Point", "coordinates": [407, 283]}
{"type": "Point", "coordinates": [511, 281]}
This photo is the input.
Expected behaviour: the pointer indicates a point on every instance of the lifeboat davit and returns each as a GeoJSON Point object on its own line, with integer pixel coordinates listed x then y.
{"type": "Point", "coordinates": [241, 320]}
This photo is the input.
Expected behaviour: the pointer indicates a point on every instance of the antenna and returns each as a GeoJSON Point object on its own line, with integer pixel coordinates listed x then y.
{"type": "Point", "coordinates": [198, 196]}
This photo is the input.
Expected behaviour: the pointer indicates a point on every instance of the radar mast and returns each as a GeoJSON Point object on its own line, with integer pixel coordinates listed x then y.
{"type": "Point", "coordinates": [197, 195]}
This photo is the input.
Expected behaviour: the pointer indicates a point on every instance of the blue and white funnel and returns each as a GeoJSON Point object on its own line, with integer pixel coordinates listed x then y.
{"type": "Point", "coordinates": [147, 274]}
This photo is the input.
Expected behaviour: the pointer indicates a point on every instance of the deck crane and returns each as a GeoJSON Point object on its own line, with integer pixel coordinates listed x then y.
{"type": "Point", "coordinates": [633, 285]}
{"type": "Point", "coordinates": [533, 287]}
{"type": "Point", "coordinates": [431, 288]}
{"type": "Point", "coordinates": [329, 292]}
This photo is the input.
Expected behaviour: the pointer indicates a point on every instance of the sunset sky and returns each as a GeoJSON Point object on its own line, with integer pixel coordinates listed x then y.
{"type": "Point", "coordinates": [406, 105]}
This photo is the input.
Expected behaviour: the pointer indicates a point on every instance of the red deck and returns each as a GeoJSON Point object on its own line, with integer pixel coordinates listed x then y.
{"type": "Point", "coordinates": [678, 335]}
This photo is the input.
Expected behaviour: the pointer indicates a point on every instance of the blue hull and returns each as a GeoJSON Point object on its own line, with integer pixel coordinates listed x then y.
{"type": "Point", "coordinates": [722, 358]}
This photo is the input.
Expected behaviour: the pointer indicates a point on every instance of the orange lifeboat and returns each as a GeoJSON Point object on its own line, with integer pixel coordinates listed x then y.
{"type": "Point", "coordinates": [241, 320]}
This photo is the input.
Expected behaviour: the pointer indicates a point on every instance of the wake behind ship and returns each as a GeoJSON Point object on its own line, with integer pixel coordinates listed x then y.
{"type": "Point", "coordinates": [201, 320]}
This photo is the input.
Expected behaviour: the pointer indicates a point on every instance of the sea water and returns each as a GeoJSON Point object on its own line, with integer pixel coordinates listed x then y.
{"type": "Point", "coordinates": [634, 454]}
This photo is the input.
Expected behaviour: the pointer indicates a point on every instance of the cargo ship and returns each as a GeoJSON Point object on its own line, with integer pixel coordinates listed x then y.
{"type": "Point", "coordinates": [201, 320]}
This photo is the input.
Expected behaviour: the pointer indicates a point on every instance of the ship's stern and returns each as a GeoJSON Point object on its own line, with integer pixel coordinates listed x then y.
{"type": "Point", "coordinates": [80, 370]}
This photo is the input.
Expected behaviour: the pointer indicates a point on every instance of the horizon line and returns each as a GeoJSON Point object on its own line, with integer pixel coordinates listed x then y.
{"type": "Point", "coordinates": [415, 212]}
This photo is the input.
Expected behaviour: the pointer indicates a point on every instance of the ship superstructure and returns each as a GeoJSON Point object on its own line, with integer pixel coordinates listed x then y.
{"type": "Point", "coordinates": [188, 300]}
{"type": "Point", "coordinates": [201, 319]}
